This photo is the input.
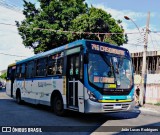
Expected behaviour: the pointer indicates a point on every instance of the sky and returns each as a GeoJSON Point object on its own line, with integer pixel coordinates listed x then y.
{"type": "Point", "coordinates": [137, 10]}
{"type": "Point", "coordinates": [11, 44]}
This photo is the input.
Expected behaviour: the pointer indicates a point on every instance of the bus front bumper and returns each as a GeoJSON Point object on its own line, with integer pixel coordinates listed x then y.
{"type": "Point", "coordinates": [97, 107]}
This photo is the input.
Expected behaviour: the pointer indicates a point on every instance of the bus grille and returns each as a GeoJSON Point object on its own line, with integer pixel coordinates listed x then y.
{"type": "Point", "coordinates": [111, 107]}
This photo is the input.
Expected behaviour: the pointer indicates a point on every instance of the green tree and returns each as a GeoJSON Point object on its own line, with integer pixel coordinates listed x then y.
{"type": "Point", "coordinates": [4, 75]}
{"type": "Point", "coordinates": [65, 15]}
{"type": "Point", "coordinates": [97, 20]}
{"type": "Point", "coordinates": [52, 14]}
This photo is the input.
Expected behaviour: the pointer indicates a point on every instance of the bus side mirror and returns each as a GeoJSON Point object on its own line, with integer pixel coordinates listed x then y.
{"type": "Point", "coordinates": [86, 59]}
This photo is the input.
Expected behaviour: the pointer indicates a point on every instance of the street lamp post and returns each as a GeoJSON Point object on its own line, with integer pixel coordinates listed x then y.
{"type": "Point", "coordinates": [127, 18]}
{"type": "Point", "coordinates": [144, 74]}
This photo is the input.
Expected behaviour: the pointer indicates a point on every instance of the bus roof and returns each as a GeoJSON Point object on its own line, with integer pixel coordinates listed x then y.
{"type": "Point", "coordinates": [67, 46]}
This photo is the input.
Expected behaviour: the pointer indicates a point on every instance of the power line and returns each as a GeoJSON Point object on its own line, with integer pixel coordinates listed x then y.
{"type": "Point", "coordinates": [73, 32]}
{"type": "Point", "coordinates": [135, 44]}
{"type": "Point", "coordinates": [156, 41]}
{"type": "Point", "coordinates": [138, 41]}
{"type": "Point", "coordinates": [12, 55]}
{"type": "Point", "coordinates": [9, 6]}
{"type": "Point", "coordinates": [152, 41]}
{"type": "Point", "coordinates": [158, 34]}
{"type": "Point", "coordinates": [155, 31]}
{"type": "Point", "coordinates": [7, 24]}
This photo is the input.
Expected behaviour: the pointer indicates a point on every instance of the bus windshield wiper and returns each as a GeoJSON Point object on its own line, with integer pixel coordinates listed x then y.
{"type": "Point", "coordinates": [109, 63]}
{"type": "Point", "coordinates": [106, 60]}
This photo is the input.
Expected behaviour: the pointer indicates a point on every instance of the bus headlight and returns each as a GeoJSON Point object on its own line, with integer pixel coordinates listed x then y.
{"type": "Point", "coordinates": [92, 96]}
{"type": "Point", "coordinates": [131, 97]}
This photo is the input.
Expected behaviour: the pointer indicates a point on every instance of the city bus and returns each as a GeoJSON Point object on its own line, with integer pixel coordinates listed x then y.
{"type": "Point", "coordinates": [85, 76]}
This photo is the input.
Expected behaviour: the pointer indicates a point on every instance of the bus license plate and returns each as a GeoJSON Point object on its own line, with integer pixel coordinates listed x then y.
{"type": "Point", "coordinates": [117, 106]}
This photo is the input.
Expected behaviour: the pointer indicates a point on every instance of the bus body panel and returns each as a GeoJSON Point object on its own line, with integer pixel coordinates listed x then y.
{"type": "Point", "coordinates": [39, 90]}
{"type": "Point", "coordinates": [81, 96]}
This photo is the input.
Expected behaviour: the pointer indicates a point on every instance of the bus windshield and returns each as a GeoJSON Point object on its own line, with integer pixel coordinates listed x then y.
{"type": "Point", "coordinates": [107, 71]}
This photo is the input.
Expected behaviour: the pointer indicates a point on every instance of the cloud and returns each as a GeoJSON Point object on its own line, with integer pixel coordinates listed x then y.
{"type": "Point", "coordinates": [136, 41]}
{"type": "Point", "coordinates": [10, 41]}
{"type": "Point", "coordinates": [119, 14]}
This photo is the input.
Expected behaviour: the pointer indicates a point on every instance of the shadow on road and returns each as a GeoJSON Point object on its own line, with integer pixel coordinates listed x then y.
{"type": "Point", "coordinates": [88, 118]}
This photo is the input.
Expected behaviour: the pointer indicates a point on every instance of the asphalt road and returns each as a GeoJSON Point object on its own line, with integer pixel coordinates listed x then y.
{"type": "Point", "coordinates": [28, 115]}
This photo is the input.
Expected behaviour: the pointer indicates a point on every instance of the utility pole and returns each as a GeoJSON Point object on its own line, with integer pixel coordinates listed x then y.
{"type": "Point", "coordinates": [144, 73]}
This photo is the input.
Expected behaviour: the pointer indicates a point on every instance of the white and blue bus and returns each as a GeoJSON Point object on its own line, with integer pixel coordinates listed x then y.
{"type": "Point", "coordinates": [85, 76]}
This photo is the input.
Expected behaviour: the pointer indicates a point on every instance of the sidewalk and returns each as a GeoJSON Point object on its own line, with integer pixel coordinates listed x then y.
{"type": "Point", "coordinates": [149, 109]}
{"type": "Point", "coordinates": [152, 107]}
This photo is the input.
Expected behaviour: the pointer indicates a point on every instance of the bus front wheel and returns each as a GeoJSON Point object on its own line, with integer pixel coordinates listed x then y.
{"type": "Point", "coordinates": [58, 106]}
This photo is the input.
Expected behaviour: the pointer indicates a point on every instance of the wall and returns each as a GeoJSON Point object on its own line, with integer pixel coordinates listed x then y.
{"type": "Point", "coordinates": [153, 87]}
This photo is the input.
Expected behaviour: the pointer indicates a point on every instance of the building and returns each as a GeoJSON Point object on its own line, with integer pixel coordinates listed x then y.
{"type": "Point", "coordinates": [153, 62]}
{"type": "Point", "coordinates": [152, 93]}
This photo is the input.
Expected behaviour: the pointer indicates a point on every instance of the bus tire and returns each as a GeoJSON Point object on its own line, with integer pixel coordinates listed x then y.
{"type": "Point", "coordinates": [18, 97]}
{"type": "Point", "coordinates": [58, 106]}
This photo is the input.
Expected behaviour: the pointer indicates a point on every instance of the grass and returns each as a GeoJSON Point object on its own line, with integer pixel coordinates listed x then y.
{"type": "Point", "coordinates": [150, 103]}
{"type": "Point", "coordinates": [158, 104]}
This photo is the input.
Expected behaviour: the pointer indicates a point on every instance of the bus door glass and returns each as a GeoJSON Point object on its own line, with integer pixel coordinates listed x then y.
{"type": "Point", "coordinates": [73, 77]}
{"type": "Point", "coordinates": [29, 78]}
{"type": "Point", "coordinates": [12, 78]}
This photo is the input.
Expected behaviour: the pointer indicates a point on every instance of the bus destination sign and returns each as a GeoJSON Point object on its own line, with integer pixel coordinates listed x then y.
{"type": "Point", "coordinates": [107, 49]}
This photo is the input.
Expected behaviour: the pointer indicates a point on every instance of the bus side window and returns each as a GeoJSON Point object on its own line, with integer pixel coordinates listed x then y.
{"type": "Point", "coordinates": [77, 66]}
{"type": "Point", "coordinates": [71, 67]}
{"type": "Point", "coordinates": [51, 66]}
{"type": "Point", "coordinates": [41, 67]}
{"type": "Point", "coordinates": [30, 71]}
{"type": "Point", "coordinates": [23, 70]}
{"type": "Point", "coordinates": [18, 75]}
{"type": "Point", "coordinates": [59, 66]}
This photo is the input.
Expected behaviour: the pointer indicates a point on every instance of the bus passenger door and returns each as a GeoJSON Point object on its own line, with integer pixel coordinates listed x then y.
{"type": "Point", "coordinates": [72, 80]}
{"type": "Point", "coordinates": [29, 94]}
{"type": "Point", "coordinates": [12, 79]}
